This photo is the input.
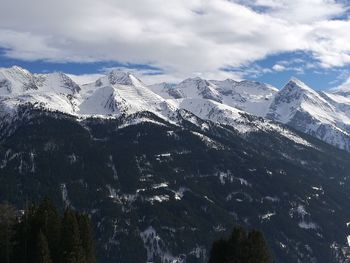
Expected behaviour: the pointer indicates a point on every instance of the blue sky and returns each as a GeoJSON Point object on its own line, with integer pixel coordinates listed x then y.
{"type": "Point", "coordinates": [265, 40]}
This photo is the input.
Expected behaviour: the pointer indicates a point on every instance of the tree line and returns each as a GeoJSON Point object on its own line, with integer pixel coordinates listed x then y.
{"type": "Point", "coordinates": [39, 234]}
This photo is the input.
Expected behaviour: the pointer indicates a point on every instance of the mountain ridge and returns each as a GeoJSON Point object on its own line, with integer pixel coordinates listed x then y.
{"type": "Point", "coordinates": [325, 115]}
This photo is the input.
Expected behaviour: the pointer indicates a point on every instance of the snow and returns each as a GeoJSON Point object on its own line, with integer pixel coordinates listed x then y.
{"type": "Point", "coordinates": [158, 198]}
{"type": "Point", "coordinates": [179, 194]}
{"type": "Point", "coordinates": [323, 114]}
{"type": "Point", "coordinates": [209, 142]}
{"type": "Point", "coordinates": [112, 192]}
{"type": "Point", "coordinates": [250, 96]}
{"type": "Point", "coordinates": [64, 193]}
{"type": "Point", "coordinates": [161, 185]}
{"type": "Point", "coordinates": [307, 225]}
{"type": "Point", "coordinates": [156, 248]}
{"type": "Point", "coordinates": [225, 102]}
{"type": "Point", "coordinates": [267, 216]}
{"type": "Point", "coordinates": [115, 94]}
{"type": "Point", "coordinates": [111, 165]}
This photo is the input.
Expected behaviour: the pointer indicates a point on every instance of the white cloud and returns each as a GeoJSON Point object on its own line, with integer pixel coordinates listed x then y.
{"type": "Point", "coordinates": [278, 67]}
{"type": "Point", "coordinates": [302, 11]}
{"type": "Point", "coordinates": [182, 37]}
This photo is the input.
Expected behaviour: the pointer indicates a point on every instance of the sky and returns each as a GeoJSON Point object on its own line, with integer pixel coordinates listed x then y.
{"type": "Point", "coordinates": [170, 40]}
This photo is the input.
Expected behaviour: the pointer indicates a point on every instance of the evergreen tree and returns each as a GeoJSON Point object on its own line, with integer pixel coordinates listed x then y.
{"type": "Point", "coordinates": [235, 245]}
{"type": "Point", "coordinates": [7, 222]}
{"type": "Point", "coordinates": [48, 221]}
{"type": "Point", "coordinates": [218, 253]}
{"type": "Point", "coordinates": [41, 236]}
{"type": "Point", "coordinates": [43, 252]}
{"type": "Point", "coordinates": [71, 249]}
{"type": "Point", "coordinates": [256, 249]}
{"type": "Point", "coordinates": [26, 237]}
{"type": "Point", "coordinates": [86, 237]}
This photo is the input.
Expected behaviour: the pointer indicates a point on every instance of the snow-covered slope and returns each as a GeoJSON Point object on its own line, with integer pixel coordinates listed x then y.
{"type": "Point", "coordinates": [325, 115]}
{"type": "Point", "coordinates": [250, 96]}
{"type": "Point", "coordinates": [121, 93]}
{"type": "Point", "coordinates": [316, 113]}
{"type": "Point", "coordinates": [54, 91]}
{"type": "Point", "coordinates": [115, 94]}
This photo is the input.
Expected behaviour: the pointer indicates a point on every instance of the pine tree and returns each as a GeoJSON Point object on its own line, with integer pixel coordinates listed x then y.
{"type": "Point", "coordinates": [26, 237]}
{"type": "Point", "coordinates": [48, 221]}
{"type": "Point", "coordinates": [86, 237]}
{"type": "Point", "coordinates": [43, 252]}
{"type": "Point", "coordinates": [235, 245]}
{"type": "Point", "coordinates": [256, 248]}
{"type": "Point", "coordinates": [7, 222]}
{"type": "Point", "coordinates": [71, 249]}
{"type": "Point", "coordinates": [218, 253]}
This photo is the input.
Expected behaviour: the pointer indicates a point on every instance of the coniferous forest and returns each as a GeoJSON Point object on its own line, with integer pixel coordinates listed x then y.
{"type": "Point", "coordinates": [41, 235]}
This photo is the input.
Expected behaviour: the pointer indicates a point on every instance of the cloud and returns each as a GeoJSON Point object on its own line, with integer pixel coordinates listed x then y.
{"type": "Point", "coordinates": [301, 11]}
{"type": "Point", "coordinates": [183, 37]}
{"type": "Point", "coordinates": [279, 67]}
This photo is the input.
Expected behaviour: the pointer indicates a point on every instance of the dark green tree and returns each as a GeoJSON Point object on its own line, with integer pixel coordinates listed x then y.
{"type": "Point", "coordinates": [7, 222]}
{"type": "Point", "coordinates": [25, 237]}
{"type": "Point", "coordinates": [43, 252]}
{"type": "Point", "coordinates": [235, 245]}
{"type": "Point", "coordinates": [48, 221]}
{"type": "Point", "coordinates": [70, 246]}
{"type": "Point", "coordinates": [219, 251]}
{"type": "Point", "coordinates": [256, 250]}
{"type": "Point", "coordinates": [86, 237]}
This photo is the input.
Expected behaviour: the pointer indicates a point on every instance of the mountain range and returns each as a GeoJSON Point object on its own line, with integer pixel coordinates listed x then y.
{"type": "Point", "coordinates": [163, 170]}
{"type": "Point", "coordinates": [324, 115]}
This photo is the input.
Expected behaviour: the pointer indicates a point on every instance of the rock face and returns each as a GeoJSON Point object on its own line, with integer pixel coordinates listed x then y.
{"type": "Point", "coordinates": [162, 176]}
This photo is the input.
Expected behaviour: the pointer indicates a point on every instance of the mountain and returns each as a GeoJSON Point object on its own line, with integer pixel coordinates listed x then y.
{"type": "Point", "coordinates": [115, 94]}
{"type": "Point", "coordinates": [250, 96]}
{"type": "Point", "coordinates": [162, 192]}
{"type": "Point", "coordinates": [324, 115]}
{"type": "Point", "coordinates": [162, 176]}
{"type": "Point", "coordinates": [317, 113]}
{"type": "Point", "coordinates": [121, 93]}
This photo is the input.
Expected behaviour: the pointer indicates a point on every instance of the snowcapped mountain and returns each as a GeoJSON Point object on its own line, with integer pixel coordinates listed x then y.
{"type": "Point", "coordinates": [115, 94]}
{"type": "Point", "coordinates": [325, 115]}
{"type": "Point", "coordinates": [212, 153]}
{"type": "Point", "coordinates": [54, 91]}
{"type": "Point", "coordinates": [319, 114]}
{"type": "Point", "coordinates": [250, 96]}
{"type": "Point", "coordinates": [121, 93]}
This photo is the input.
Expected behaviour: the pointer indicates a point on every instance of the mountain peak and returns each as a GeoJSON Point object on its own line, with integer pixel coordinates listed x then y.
{"type": "Point", "coordinates": [19, 69]}
{"type": "Point", "coordinates": [123, 78]}
{"type": "Point", "coordinates": [295, 82]}
{"type": "Point", "coordinates": [194, 80]}
{"type": "Point", "coordinates": [57, 81]}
